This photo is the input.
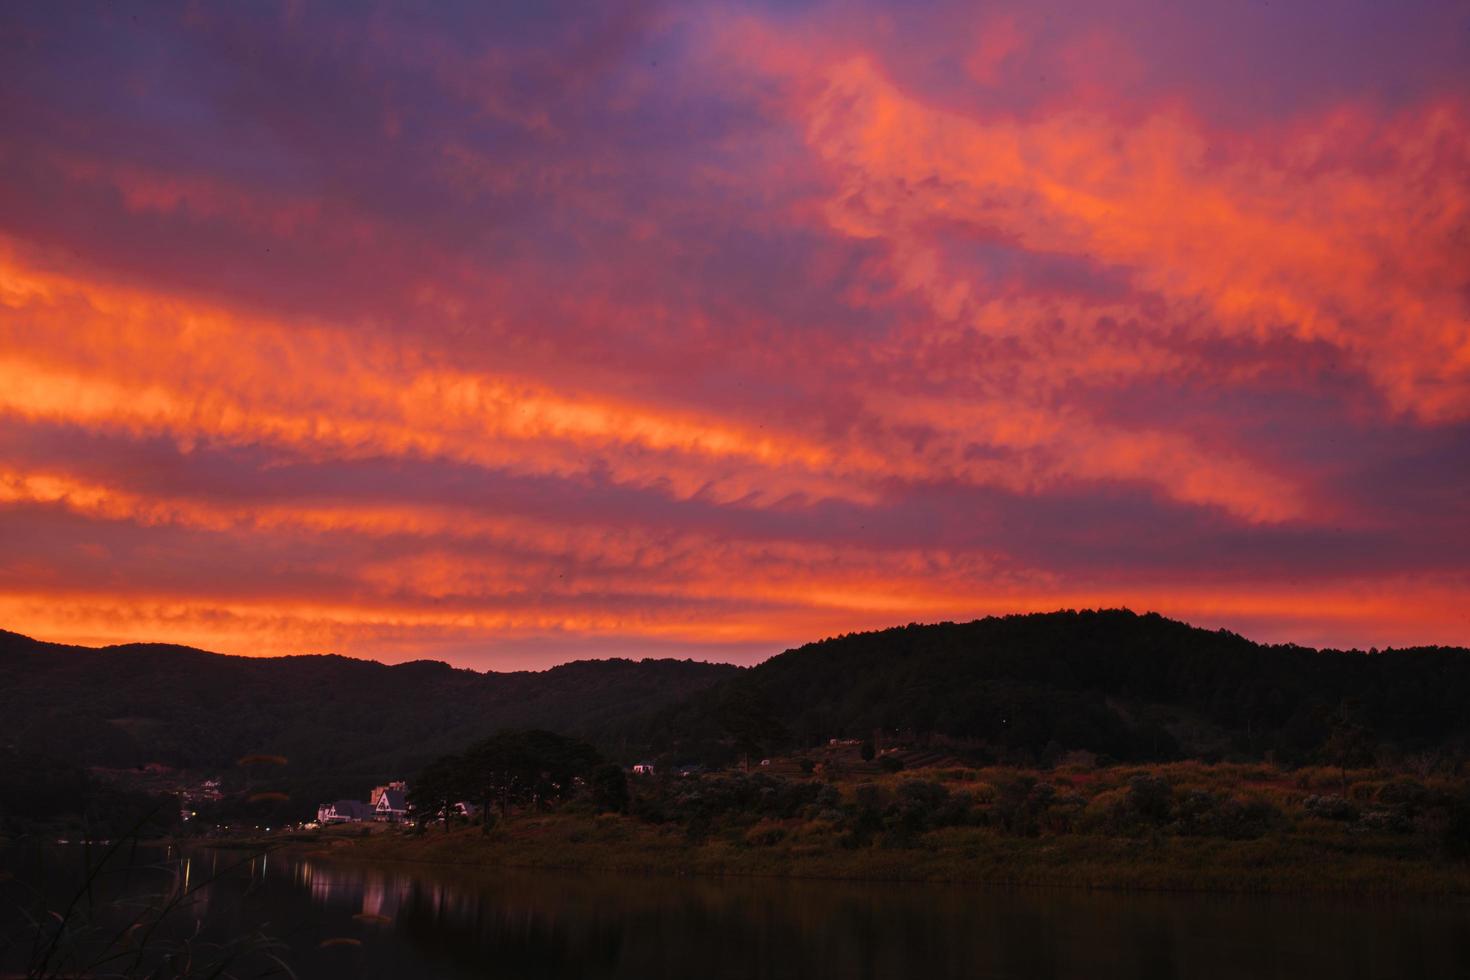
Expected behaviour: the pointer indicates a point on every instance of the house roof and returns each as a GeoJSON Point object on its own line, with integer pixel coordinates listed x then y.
{"type": "Point", "coordinates": [352, 808]}
{"type": "Point", "coordinates": [396, 799]}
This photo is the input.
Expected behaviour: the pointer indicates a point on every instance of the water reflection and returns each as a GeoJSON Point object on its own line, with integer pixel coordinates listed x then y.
{"type": "Point", "coordinates": [417, 921]}
{"type": "Point", "coordinates": [521, 925]}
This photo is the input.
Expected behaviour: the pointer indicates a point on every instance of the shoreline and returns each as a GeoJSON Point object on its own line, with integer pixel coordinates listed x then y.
{"type": "Point", "coordinates": [1278, 867]}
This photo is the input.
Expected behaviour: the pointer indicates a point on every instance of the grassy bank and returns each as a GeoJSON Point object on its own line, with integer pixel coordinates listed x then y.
{"type": "Point", "coordinates": [1182, 827]}
{"type": "Point", "coordinates": [1288, 864]}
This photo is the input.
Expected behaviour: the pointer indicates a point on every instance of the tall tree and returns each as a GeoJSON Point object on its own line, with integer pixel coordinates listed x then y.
{"type": "Point", "coordinates": [439, 786]}
{"type": "Point", "coordinates": [525, 767]}
{"type": "Point", "coordinates": [1350, 741]}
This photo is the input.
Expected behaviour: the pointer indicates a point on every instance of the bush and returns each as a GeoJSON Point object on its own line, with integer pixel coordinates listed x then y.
{"type": "Point", "coordinates": [865, 816]}
{"type": "Point", "coordinates": [1245, 819]}
{"type": "Point", "coordinates": [1108, 813]}
{"type": "Point", "coordinates": [1404, 792]}
{"type": "Point", "coordinates": [1064, 813]}
{"type": "Point", "coordinates": [957, 811]}
{"type": "Point", "coordinates": [922, 793]}
{"type": "Point", "coordinates": [1197, 813]}
{"type": "Point", "coordinates": [1021, 805]}
{"type": "Point", "coordinates": [1455, 837]}
{"type": "Point", "coordinates": [765, 834]}
{"type": "Point", "coordinates": [916, 808]}
{"type": "Point", "coordinates": [1384, 820]}
{"type": "Point", "coordinates": [608, 787]}
{"type": "Point", "coordinates": [1151, 798]}
{"type": "Point", "coordinates": [1330, 808]}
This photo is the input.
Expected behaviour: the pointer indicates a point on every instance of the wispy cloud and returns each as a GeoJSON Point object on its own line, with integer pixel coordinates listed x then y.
{"type": "Point", "coordinates": [712, 329]}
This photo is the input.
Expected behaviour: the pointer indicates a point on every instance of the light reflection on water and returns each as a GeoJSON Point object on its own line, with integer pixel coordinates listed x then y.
{"type": "Point", "coordinates": [420, 921]}
{"type": "Point", "coordinates": [536, 925]}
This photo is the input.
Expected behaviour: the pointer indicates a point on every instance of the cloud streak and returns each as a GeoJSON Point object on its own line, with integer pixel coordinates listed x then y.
{"type": "Point", "coordinates": [710, 330]}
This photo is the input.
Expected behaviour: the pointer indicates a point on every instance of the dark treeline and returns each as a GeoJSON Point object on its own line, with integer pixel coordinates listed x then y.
{"type": "Point", "coordinates": [140, 703]}
{"type": "Point", "coordinates": [516, 769]}
{"type": "Point", "coordinates": [39, 795]}
{"type": "Point", "coordinates": [519, 772]}
{"type": "Point", "coordinates": [1026, 689]}
{"type": "Point", "coordinates": [1023, 690]}
{"type": "Point", "coordinates": [339, 726]}
{"type": "Point", "coordinates": [1180, 800]}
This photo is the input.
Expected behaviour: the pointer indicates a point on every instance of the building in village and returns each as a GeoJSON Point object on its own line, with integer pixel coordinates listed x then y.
{"type": "Point", "coordinates": [391, 805]}
{"type": "Point", "coordinates": [385, 804]}
{"type": "Point", "coordinates": [344, 811]}
{"type": "Point", "coordinates": [377, 794]}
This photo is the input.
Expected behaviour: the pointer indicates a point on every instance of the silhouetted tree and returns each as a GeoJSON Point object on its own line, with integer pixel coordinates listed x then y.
{"type": "Point", "coordinates": [748, 719]}
{"type": "Point", "coordinates": [608, 786]}
{"type": "Point", "coordinates": [525, 767]}
{"type": "Point", "coordinates": [1350, 742]}
{"type": "Point", "coordinates": [437, 788]}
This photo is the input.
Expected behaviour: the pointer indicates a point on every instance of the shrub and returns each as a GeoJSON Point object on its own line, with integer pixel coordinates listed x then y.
{"type": "Point", "coordinates": [1245, 819]}
{"type": "Point", "coordinates": [922, 793]}
{"type": "Point", "coordinates": [1196, 813]}
{"type": "Point", "coordinates": [1064, 813]}
{"type": "Point", "coordinates": [765, 834]}
{"type": "Point", "coordinates": [1384, 820]}
{"type": "Point", "coordinates": [865, 816]}
{"type": "Point", "coordinates": [957, 811]}
{"type": "Point", "coordinates": [1151, 798]}
{"type": "Point", "coordinates": [1021, 805]}
{"type": "Point", "coordinates": [1404, 792]}
{"type": "Point", "coordinates": [916, 808]}
{"type": "Point", "coordinates": [1330, 808]}
{"type": "Point", "coordinates": [608, 787]}
{"type": "Point", "coordinates": [1455, 837]}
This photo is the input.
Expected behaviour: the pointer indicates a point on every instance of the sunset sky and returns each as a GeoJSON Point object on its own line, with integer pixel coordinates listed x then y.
{"type": "Point", "coordinates": [513, 335]}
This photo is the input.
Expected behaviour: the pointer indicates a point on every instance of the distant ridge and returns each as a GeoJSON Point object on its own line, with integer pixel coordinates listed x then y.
{"type": "Point", "coordinates": [1029, 688]}
{"type": "Point", "coordinates": [333, 717]}
{"type": "Point", "coordinates": [1025, 688]}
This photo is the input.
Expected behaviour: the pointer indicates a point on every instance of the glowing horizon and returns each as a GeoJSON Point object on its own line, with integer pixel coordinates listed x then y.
{"type": "Point", "coordinates": [516, 337]}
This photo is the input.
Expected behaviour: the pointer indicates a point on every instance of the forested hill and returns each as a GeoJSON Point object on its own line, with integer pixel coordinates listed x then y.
{"type": "Point", "coordinates": [1127, 686]}
{"type": "Point", "coordinates": [1023, 689]}
{"type": "Point", "coordinates": [350, 720]}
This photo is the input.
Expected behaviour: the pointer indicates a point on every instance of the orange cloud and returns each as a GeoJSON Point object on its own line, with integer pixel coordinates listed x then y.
{"type": "Point", "coordinates": [1238, 236]}
{"type": "Point", "coordinates": [126, 361]}
{"type": "Point", "coordinates": [779, 334]}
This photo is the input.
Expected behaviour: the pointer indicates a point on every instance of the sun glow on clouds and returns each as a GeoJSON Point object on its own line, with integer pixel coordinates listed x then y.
{"type": "Point", "coordinates": [732, 331]}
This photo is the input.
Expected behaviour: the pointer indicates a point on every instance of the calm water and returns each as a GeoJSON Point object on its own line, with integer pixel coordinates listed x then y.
{"type": "Point", "coordinates": [433, 922]}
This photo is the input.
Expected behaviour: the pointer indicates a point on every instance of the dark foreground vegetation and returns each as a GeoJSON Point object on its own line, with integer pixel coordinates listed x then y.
{"type": "Point", "coordinates": [540, 799]}
{"type": "Point", "coordinates": [1194, 826]}
{"type": "Point", "coordinates": [126, 909]}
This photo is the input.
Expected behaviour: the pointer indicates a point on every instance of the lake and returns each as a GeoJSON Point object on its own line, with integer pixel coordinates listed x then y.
{"type": "Point", "coordinates": [418, 921]}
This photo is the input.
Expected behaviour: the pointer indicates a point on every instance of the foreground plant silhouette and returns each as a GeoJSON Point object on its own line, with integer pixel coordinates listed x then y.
{"type": "Point", "coordinates": [136, 936]}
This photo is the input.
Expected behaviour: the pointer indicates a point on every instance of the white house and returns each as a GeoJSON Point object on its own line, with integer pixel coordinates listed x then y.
{"type": "Point", "coordinates": [391, 805]}
{"type": "Point", "coordinates": [643, 769]}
